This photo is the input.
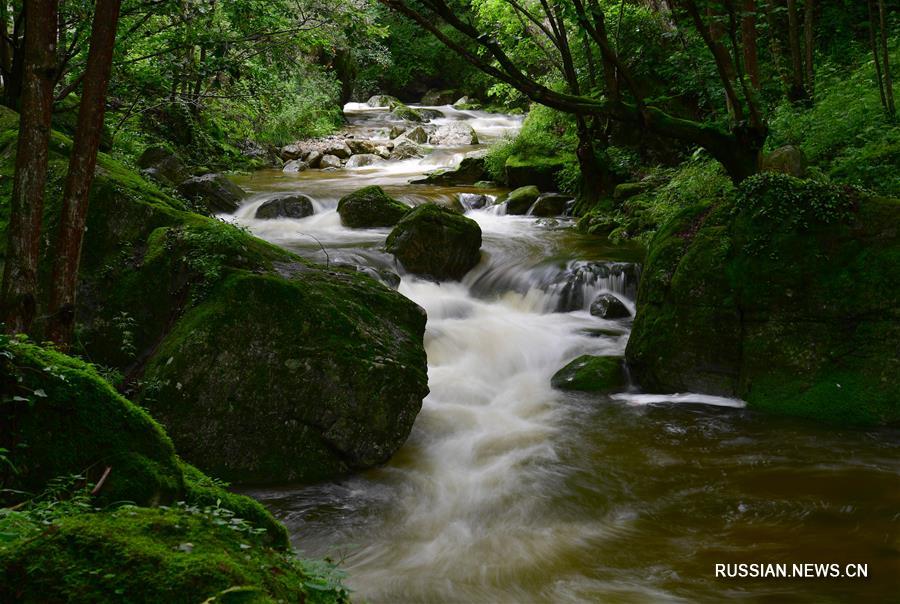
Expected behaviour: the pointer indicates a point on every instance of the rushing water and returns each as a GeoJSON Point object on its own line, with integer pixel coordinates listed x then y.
{"type": "Point", "coordinates": [509, 491]}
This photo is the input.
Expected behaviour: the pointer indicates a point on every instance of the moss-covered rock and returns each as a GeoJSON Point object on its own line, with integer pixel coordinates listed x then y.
{"type": "Point", "coordinates": [590, 373]}
{"type": "Point", "coordinates": [436, 242]}
{"type": "Point", "coordinates": [520, 200]}
{"type": "Point", "coordinates": [406, 113]}
{"type": "Point", "coordinates": [59, 417]}
{"type": "Point", "coordinates": [776, 297]}
{"type": "Point", "coordinates": [212, 191]}
{"type": "Point", "coordinates": [184, 555]}
{"type": "Point", "coordinates": [470, 170]}
{"type": "Point", "coordinates": [307, 372]}
{"type": "Point", "coordinates": [383, 100]}
{"type": "Point", "coordinates": [286, 205]}
{"type": "Point", "coordinates": [370, 207]}
{"type": "Point", "coordinates": [522, 170]}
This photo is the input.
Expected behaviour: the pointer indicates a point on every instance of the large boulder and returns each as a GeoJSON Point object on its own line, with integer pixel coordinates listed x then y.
{"type": "Point", "coordinates": [416, 135]}
{"type": "Point", "coordinates": [454, 134]}
{"type": "Point", "coordinates": [263, 366]}
{"type": "Point", "coordinates": [787, 297]}
{"type": "Point", "coordinates": [430, 114]}
{"type": "Point", "coordinates": [361, 146]}
{"type": "Point", "coordinates": [329, 161]}
{"type": "Point", "coordinates": [788, 160]}
{"type": "Point", "coordinates": [470, 170]}
{"type": "Point", "coordinates": [213, 192]}
{"type": "Point", "coordinates": [292, 151]}
{"type": "Point", "coordinates": [295, 166]}
{"type": "Point", "coordinates": [520, 200]}
{"type": "Point", "coordinates": [522, 170]}
{"type": "Point", "coordinates": [370, 207]}
{"type": "Point", "coordinates": [287, 205]}
{"type": "Point", "coordinates": [436, 242]}
{"type": "Point", "coordinates": [60, 418]}
{"type": "Point", "coordinates": [591, 374]}
{"type": "Point", "coordinates": [551, 204]}
{"type": "Point", "coordinates": [338, 148]}
{"type": "Point", "coordinates": [162, 165]}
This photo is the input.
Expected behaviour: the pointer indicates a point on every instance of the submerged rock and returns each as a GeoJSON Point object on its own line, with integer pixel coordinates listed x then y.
{"type": "Point", "coordinates": [214, 191]}
{"type": "Point", "coordinates": [591, 374]}
{"type": "Point", "coordinates": [520, 200]}
{"type": "Point", "coordinates": [436, 242]}
{"type": "Point", "coordinates": [608, 306]}
{"type": "Point", "coordinates": [370, 207]}
{"type": "Point", "coordinates": [286, 206]}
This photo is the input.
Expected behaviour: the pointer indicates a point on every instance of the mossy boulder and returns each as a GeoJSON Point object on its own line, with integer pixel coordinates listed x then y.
{"type": "Point", "coordinates": [590, 373]}
{"type": "Point", "coordinates": [436, 242]}
{"type": "Point", "coordinates": [212, 191]}
{"type": "Point", "coordinates": [787, 296]}
{"type": "Point", "coordinates": [406, 113]}
{"type": "Point", "coordinates": [324, 366]}
{"type": "Point", "coordinates": [184, 554]}
{"type": "Point", "coordinates": [551, 204]}
{"type": "Point", "coordinates": [522, 170]}
{"type": "Point", "coordinates": [383, 100]}
{"type": "Point", "coordinates": [163, 165]}
{"type": "Point", "coordinates": [370, 207]}
{"type": "Point", "coordinates": [520, 200]}
{"type": "Point", "coordinates": [470, 170]}
{"type": "Point", "coordinates": [59, 417]}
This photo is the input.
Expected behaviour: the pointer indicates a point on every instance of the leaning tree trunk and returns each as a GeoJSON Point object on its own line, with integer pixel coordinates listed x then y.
{"type": "Point", "coordinates": [27, 203]}
{"type": "Point", "coordinates": [81, 171]}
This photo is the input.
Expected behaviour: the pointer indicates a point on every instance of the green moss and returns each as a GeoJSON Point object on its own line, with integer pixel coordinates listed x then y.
{"type": "Point", "coordinates": [590, 373]}
{"type": "Point", "coordinates": [786, 297]}
{"type": "Point", "coordinates": [537, 170]}
{"type": "Point", "coordinates": [370, 207]}
{"type": "Point", "coordinates": [185, 554]}
{"type": "Point", "coordinates": [406, 113]}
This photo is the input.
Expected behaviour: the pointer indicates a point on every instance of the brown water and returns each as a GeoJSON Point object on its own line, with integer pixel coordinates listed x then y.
{"type": "Point", "coordinates": [509, 491]}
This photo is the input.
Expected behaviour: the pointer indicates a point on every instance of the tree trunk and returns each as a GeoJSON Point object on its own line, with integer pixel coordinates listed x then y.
{"type": "Point", "coordinates": [748, 40]}
{"type": "Point", "coordinates": [12, 79]}
{"type": "Point", "coordinates": [809, 42]}
{"type": "Point", "coordinates": [873, 42]}
{"type": "Point", "coordinates": [886, 63]}
{"type": "Point", "coordinates": [81, 171]}
{"type": "Point", "coordinates": [797, 92]}
{"type": "Point", "coordinates": [775, 44]}
{"type": "Point", "coordinates": [27, 202]}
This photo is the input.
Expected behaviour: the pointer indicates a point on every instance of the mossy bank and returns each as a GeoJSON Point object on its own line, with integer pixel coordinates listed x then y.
{"type": "Point", "coordinates": [262, 366]}
{"type": "Point", "coordinates": [786, 294]}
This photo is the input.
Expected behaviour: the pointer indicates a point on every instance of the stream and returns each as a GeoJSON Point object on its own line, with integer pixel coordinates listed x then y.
{"type": "Point", "coordinates": [510, 491]}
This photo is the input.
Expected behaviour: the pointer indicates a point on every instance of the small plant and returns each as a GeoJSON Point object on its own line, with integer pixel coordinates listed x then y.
{"type": "Point", "coordinates": [126, 325]}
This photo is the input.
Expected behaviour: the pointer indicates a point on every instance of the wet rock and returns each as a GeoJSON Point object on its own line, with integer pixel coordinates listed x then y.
{"type": "Point", "coordinates": [407, 149]}
{"type": "Point", "coordinates": [330, 161]}
{"type": "Point", "coordinates": [608, 306]}
{"type": "Point", "coordinates": [163, 166]}
{"type": "Point", "coordinates": [337, 148]}
{"type": "Point", "coordinates": [582, 277]}
{"type": "Point", "coordinates": [430, 114]}
{"type": "Point", "coordinates": [454, 134]}
{"type": "Point", "coordinates": [436, 242]}
{"type": "Point", "coordinates": [590, 373]}
{"type": "Point", "coordinates": [365, 159]}
{"type": "Point", "coordinates": [551, 204]}
{"type": "Point", "coordinates": [213, 191]}
{"type": "Point", "coordinates": [294, 166]}
{"type": "Point", "coordinates": [520, 200]}
{"type": "Point", "coordinates": [383, 100]}
{"type": "Point", "coordinates": [396, 131]}
{"type": "Point", "coordinates": [470, 169]}
{"type": "Point", "coordinates": [385, 276]}
{"type": "Point", "coordinates": [361, 147]}
{"type": "Point", "coordinates": [416, 135]}
{"type": "Point", "coordinates": [313, 158]}
{"type": "Point", "coordinates": [286, 206]}
{"type": "Point", "coordinates": [370, 207]}
{"type": "Point", "coordinates": [461, 101]}
{"type": "Point", "coordinates": [383, 151]}
{"type": "Point", "coordinates": [406, 113]}
{"type": "Point", "coordinates": [485, 184]}
{"type": "Point", "coordinates": [473, 201]}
